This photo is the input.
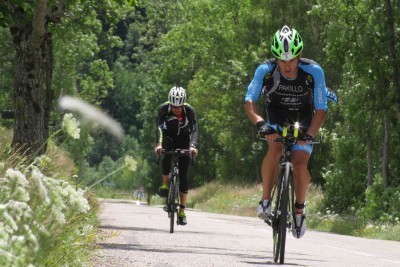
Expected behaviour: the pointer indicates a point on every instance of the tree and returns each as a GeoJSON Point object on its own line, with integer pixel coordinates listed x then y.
{"type": "Point", "coordinates": [30, 27]}
{"type": "Point", "coordinates": [33, 95]}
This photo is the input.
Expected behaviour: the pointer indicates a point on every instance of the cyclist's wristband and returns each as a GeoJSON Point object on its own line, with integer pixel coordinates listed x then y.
{"type": "Point", "coordinates": [259, 124]}
{"type": "Point", "coordinates": [308, 138]}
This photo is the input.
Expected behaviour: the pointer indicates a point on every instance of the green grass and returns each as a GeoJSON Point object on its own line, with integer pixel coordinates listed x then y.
{"type": "Point", "coordinates": [242, 200]}
{"type": "Point", "coordinates": [108, 192]}
{"type": "Point", "coordinates": [228, 199]}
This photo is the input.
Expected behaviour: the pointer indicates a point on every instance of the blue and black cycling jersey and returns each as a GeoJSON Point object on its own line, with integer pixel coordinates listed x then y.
{"type": "Point", "coordinates": [292, 99]}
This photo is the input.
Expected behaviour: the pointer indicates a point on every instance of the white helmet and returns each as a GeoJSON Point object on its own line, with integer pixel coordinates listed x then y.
{"type": "Point", "coordinates": [177, 96]}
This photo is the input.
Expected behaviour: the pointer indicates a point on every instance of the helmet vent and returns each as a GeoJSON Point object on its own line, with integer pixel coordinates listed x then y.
{"type": "Point", "coordinates": [285, 45]}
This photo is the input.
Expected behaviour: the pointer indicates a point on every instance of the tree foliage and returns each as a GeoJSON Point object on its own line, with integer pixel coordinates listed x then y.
{"type": "Point", "coordinates": [126, 60]}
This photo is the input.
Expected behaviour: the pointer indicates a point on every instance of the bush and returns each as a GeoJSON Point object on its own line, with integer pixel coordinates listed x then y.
{"type": "Point", "coordinates": [382, 205]}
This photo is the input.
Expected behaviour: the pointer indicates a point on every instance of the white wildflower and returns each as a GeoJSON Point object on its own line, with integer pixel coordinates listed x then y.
{"type": "Point", "coordinates": [37, 177]}
{"type": "Point", "coordinates": [21, 194]}
{"type": "Point", "coordinates": [58, 216]}
{"type": "Point", "coordinates": [19, 210]}
{"type": "Point", "coordinates": [17, 176]}
{"type": "Point", "coordinates": [6, 254]}
{"type": "Point", "coordinates": [131, 163]}
{"type": "Point", "coordinates": [71, 126]}
{"type": "Point", "coordinates": [9, 221]}
{"type": "Point", "coordinates": [76, 200]}
{"type": "Point", "coordinates": [18, 238]}
{"type": "Point", "coordinates": [92, 114]}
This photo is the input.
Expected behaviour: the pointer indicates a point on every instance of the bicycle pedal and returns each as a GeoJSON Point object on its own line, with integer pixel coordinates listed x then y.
{"type": "Point", "coordinates": [165, 208]}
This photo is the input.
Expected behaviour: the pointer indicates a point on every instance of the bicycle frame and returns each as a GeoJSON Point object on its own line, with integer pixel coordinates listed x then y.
{"type": "Point", "coordinates": [283, 207]}
{"type": "Point", "coordinates": [283, 195]}
{"type": "Point", "coordinates": [173, 199]}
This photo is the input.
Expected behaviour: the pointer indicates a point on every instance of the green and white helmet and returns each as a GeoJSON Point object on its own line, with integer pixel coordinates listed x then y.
{"type": "Point", "coordinates": [286, 44]}
{"type": "Point", "coordinates": [177, 96]}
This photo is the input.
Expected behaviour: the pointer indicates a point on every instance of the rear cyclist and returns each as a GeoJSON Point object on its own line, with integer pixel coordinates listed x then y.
{"type": "Point", "coordinates": [296, 91]}
{"type": "Point", "coordinates": [176, 128]}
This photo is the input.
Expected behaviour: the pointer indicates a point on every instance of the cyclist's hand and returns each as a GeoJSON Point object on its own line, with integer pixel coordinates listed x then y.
{"type": "Point", "coordinates": [157, 150]}
{"type": "Point", "coordinates": [264, 130]}
{"type": "Point", "coordinates": [305, 140]}
{"type": "Point", "coordinates": [193, 152]}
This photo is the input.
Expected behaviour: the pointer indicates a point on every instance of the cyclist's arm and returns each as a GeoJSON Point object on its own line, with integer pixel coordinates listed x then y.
{"type": "Point", "coordinates": [252, 112]}
{"type": "Point", "coordinates": [254, 91]}
{"type": "Point", "coordinates": [195, 130]}
{"type": "Point", "coordinates": [320, 100]}
{"type": "Point", "coordinates": [316, 122]}
{"type": "Point", "coordinates": [160, 122]}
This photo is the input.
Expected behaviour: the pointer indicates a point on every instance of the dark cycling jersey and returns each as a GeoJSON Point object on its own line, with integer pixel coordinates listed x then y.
{"type": "Point", "coordinates": [170, 125]}
{"type": "Point", "coordinates": [293, 99]}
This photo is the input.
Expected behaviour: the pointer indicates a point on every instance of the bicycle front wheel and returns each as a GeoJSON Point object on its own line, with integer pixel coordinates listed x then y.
{"type": "Point", "coordinates": [172, 205]}
{"type": "Point", "coordinates": [281, 216]}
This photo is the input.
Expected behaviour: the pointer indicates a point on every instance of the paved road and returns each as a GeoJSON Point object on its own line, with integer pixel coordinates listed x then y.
{"type": "Point", "coordinates": [139, 236]}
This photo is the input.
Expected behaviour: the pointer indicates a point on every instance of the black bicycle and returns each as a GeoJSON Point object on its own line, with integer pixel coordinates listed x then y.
{"type": "Point", "coordinates": [282, 213]}
{"type": "Point", "coordinates": [173, 200]}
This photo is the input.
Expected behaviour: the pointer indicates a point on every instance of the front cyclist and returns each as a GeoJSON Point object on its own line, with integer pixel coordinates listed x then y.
{"type": "Point", "coordinates": [296, 91]}
{"type": "Point", "coordinates": [176, 128]}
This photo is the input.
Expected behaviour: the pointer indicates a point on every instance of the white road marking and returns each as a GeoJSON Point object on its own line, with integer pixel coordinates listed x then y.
{"type": "Point", "coordinates": [361, 253]}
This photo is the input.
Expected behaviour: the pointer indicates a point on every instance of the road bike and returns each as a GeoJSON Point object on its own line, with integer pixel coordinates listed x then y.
{"type": "Point", "coordinates": [282, 214]}
{"type": "Point", "coordinates": [173, 200]}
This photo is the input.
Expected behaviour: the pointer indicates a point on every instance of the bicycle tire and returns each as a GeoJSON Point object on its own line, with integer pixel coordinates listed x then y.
{"type": "Point", "coordinates": [275, 218]}
{"type": "Point", "coordinates": [282, 216]}
{"type": "Point", "coordinates": [172, 205]}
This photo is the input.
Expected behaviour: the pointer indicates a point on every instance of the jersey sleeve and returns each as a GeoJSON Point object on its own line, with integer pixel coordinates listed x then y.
{"type": "Point", "coordinates": [195, 130]}
{"type": "Point", "coordinates": [160, 122]}
{"type": "Point", "coordinates": [320, 101]}
{"type": "Point", "coordinates": [255, 87]}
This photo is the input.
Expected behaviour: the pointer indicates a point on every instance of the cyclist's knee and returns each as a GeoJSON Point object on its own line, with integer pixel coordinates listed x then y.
{"type": "Point", "coordinates": [274, 150]}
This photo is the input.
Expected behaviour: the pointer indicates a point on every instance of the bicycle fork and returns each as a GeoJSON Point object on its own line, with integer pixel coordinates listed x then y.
{"type": "Point", "coordinates": [284, 179]}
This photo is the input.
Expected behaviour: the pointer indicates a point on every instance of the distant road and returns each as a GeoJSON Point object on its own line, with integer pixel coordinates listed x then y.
{"type": "Point", "coordinates": [139, 236]}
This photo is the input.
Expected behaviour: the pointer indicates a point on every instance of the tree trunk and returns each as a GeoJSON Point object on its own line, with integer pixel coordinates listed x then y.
{"type": "Point", "coordinates": [393, 56]}
{"type": "Point", "coordinates": [385, 154]}
{"type": "Point", "coordinates": [370, 178]}
{"type": "Point", "coordinates": [33, 93]}
{"type": "Point", "coordinates": [29, 88]}
{"type": "Point", "coordinates": [370, 175]}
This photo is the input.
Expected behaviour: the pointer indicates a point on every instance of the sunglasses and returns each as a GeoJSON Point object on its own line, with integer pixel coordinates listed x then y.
{"type": "Point", "coordinates": [177, 107]}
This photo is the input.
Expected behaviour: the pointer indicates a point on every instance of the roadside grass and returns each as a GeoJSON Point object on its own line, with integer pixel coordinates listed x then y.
{"type": "Point", "coordinates": [242, 200]}
{"type": "Point", "coordinates": [227, 199]}
{"type": "Point", "coordinates": [109, 192]}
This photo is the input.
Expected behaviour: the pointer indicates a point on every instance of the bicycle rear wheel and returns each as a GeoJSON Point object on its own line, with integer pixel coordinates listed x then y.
{"type": "Point", "coordinates": [280, 216]}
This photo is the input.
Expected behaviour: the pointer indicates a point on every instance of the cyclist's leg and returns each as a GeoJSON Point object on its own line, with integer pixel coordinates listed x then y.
{"type": "Point", "coordinates": [270, 168]}
{"type": "Point", "coordinates": [184, 162]}
{"type": "Point", "coordinates": [167, 144]}
{"type": "Point", "coordinates": [183, 188]}
{"type": "Point", "coordinates": [301, 174]}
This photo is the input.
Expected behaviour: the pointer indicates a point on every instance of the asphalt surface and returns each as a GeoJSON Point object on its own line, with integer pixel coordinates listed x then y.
{"type": "Point", "coordinates": [138, 235]}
